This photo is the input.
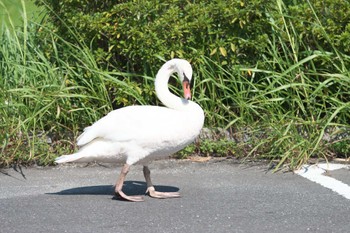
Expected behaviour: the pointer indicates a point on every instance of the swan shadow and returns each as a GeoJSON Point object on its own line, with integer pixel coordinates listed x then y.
{"type": "Point", "coordinates": [130, 188]}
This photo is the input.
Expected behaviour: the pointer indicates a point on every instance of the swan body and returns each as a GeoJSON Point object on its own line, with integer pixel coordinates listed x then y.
{"type": "Point", "coordinates": [141, 134]}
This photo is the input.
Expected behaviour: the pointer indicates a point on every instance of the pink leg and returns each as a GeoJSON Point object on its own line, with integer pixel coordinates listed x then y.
{"type": "Point", "coordinates": [151, 190]}
{"type": "Point", "coordinates": [119, 186]}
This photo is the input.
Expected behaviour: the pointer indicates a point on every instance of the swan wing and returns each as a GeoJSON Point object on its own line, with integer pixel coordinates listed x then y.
{"type": "Point", "coordinates": [142, 124]}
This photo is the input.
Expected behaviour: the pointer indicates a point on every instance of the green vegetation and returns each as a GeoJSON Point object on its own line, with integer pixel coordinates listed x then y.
{"type": "Point", "coordinates": [272, 73]}
{"type": "Point", "coordinates": [132, 33]}
{"type": "Point", "coordinates": [14, 13]}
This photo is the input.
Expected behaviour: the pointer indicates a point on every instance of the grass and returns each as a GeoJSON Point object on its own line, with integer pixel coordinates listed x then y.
{"type": "Point", "coordinates": [47, 98]}
{"type": "Point", "coordinates": [291, 106]}
{"type": "Point", "coordinates": [16, 13]}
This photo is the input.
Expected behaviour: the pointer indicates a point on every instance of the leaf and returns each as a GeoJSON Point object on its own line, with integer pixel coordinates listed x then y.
{"type": "Point", "coordinates": [242, 23]}
{"type": "Point", "coordinates": [110, 48]}
{"type": "Point", "coordinates": [213, 52]}
{"type": "Point", "coordinates": [58, 112]}
{"type": "Point", "coordinates": [233, 47]}
{"type": "Point", "coordinates": [223, 51]}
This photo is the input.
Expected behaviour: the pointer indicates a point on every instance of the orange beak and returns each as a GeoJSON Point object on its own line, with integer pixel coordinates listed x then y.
{"type": "Point", "coordinates": [187, 90]}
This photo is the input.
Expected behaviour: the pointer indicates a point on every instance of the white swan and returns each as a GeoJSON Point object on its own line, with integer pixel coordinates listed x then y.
{"type": "Point", "coordinates": [140, 134]}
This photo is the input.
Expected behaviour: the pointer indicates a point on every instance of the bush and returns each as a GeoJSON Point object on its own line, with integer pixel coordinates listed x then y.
{"type": "Point", "coordinates": [329, 30]}
{"type": "Point", "coordinates": [130, 34]}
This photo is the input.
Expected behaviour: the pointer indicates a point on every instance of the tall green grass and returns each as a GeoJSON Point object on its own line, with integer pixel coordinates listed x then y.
{"type": "Point", "coordinates": [15, 13]}
{"type": "Point", "coordinates": [290, 106]}
{"type": "Point", "coordinates": [46, 98]}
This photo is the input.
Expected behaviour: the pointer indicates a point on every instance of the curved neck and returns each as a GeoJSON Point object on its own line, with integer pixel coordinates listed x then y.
{"type": "Point", "coordinates": [164, 95]}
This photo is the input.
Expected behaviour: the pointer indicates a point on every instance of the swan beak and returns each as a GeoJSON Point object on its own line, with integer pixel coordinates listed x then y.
{"type": "Point", "coordinates": [187, 90]}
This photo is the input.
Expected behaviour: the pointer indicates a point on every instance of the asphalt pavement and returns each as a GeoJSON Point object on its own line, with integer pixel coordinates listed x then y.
{"type": "Point", "coordinates": [219, 195]}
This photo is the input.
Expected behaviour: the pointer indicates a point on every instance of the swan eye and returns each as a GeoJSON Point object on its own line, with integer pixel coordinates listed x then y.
{"type": "Point", "coordinates": [185, 78]}
{"type": "Point", "coordinates": [188, 80]}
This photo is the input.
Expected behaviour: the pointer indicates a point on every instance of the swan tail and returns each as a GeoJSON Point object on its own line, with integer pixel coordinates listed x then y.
{"type": "Point", "coordinates": [68, 158]}
{"type": "Point", "coordinates": [86, 137]}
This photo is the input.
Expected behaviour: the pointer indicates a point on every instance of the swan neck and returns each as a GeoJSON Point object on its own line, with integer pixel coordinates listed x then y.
{"type": "Point", "coordinates": [162, 90]}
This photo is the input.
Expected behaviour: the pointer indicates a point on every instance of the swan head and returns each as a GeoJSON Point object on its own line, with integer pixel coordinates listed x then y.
{"type": "Point", "coordinates": [184, 71]}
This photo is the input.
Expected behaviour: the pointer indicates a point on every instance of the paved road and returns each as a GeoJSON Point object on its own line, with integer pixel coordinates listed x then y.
{"type": "Point", "coordinates": [217, 196]}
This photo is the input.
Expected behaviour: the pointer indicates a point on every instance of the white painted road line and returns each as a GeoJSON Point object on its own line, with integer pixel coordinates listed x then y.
{"type": "Point", "coordinates": [316, 172]}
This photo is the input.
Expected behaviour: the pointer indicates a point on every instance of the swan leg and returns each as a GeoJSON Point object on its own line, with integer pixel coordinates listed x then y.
{"type": "Point", "coordinates": [151, 190]}
{"type": "Point", "coordinates": [119, 186]}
